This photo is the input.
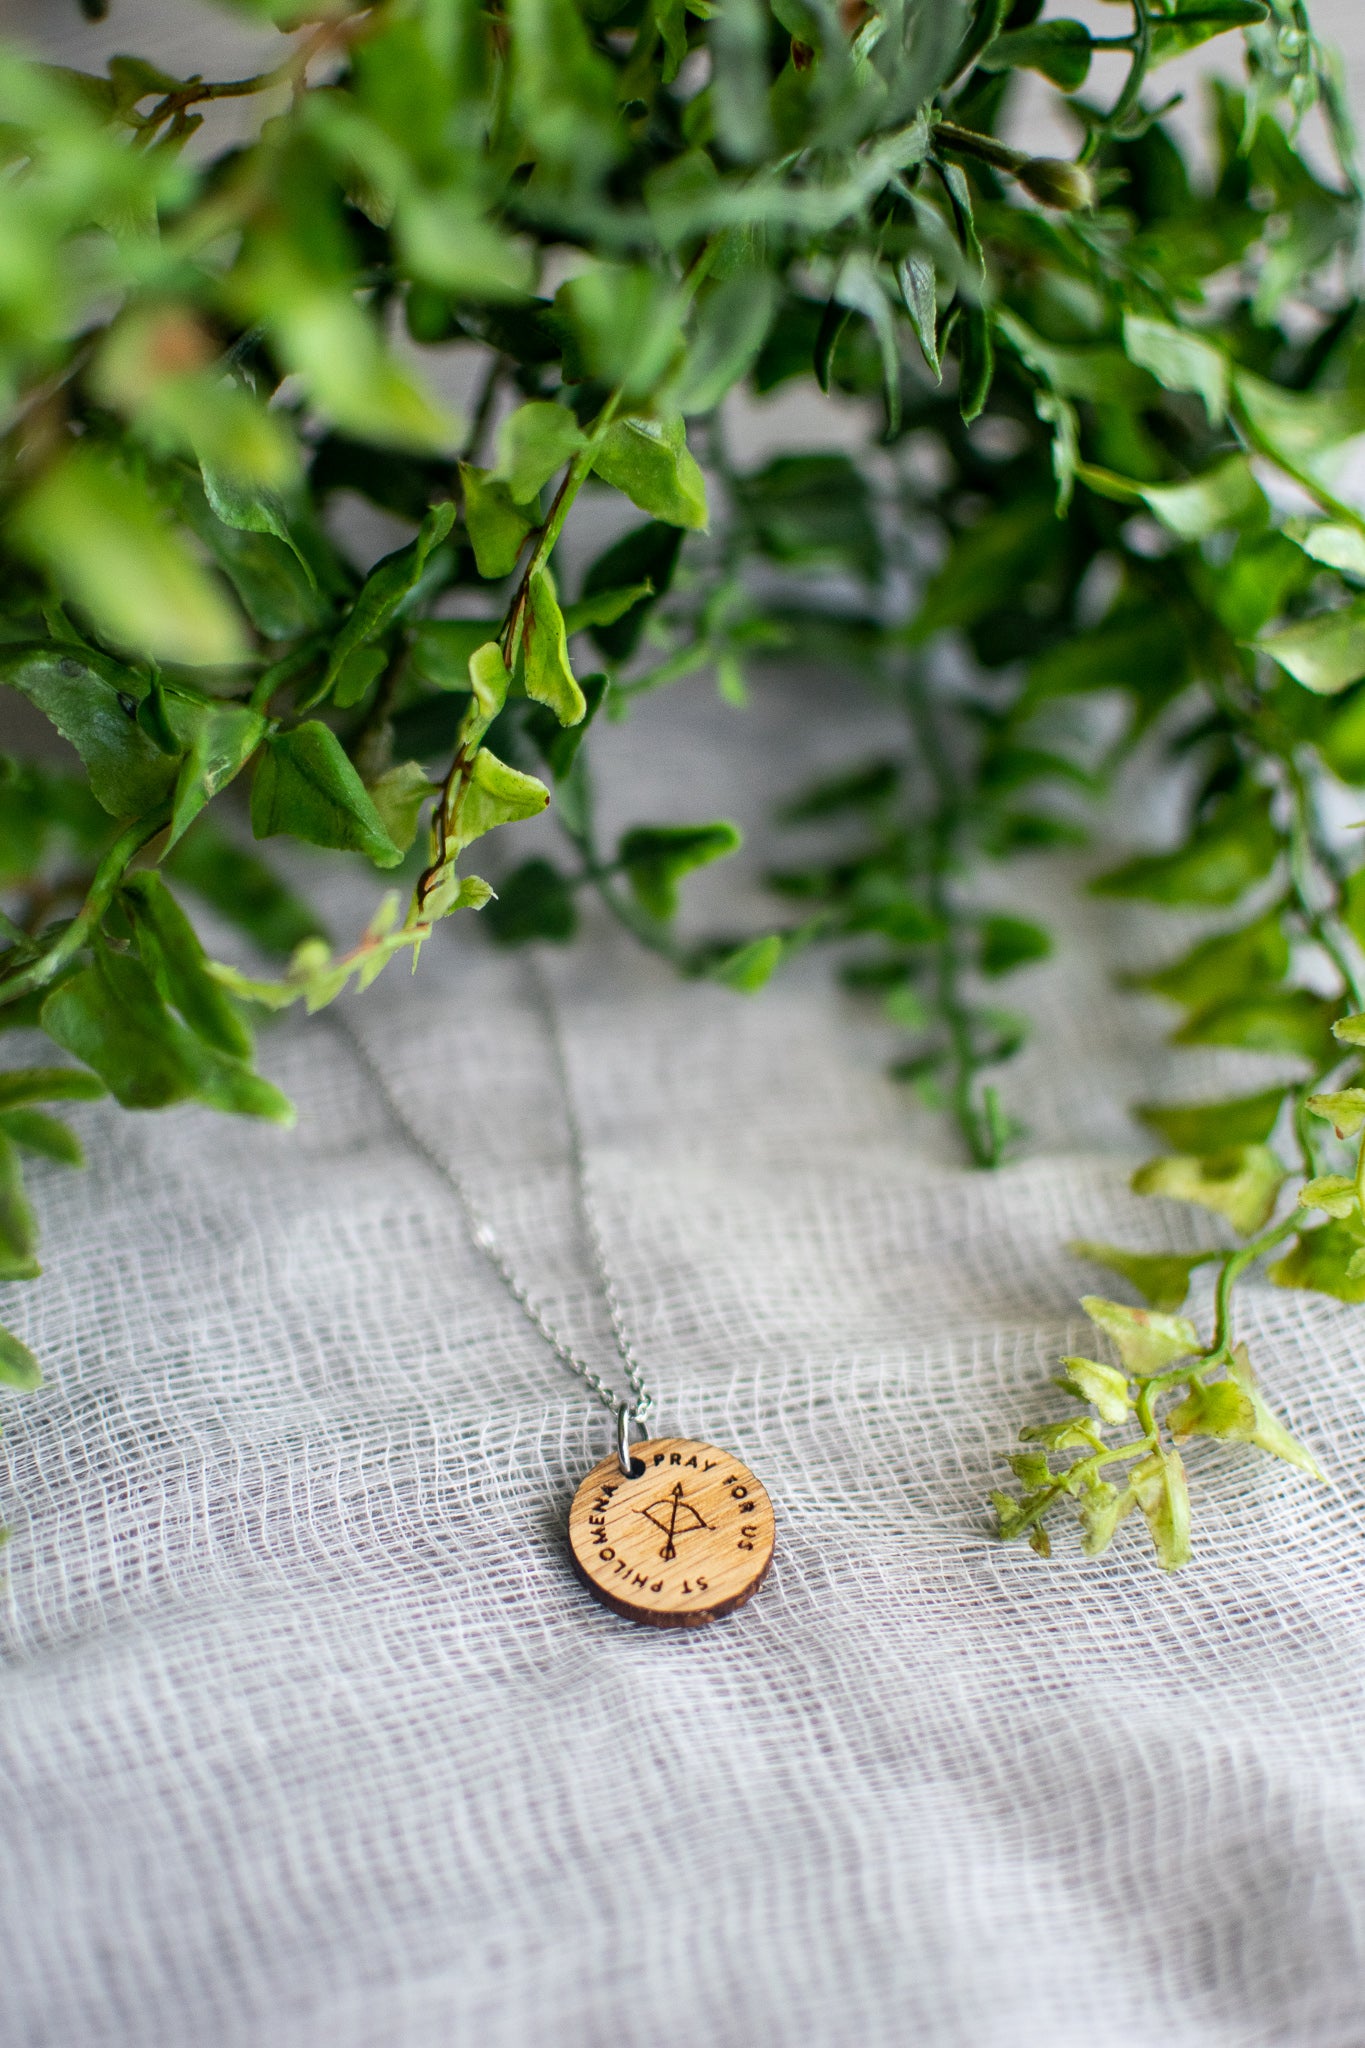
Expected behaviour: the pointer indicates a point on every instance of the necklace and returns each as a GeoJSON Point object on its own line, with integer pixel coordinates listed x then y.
{"type": "Point", "coordinates": [667, 1531]}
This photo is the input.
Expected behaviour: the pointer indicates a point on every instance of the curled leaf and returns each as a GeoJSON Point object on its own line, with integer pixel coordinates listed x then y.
{"type": "Point", "coordinates": [1102, 1385]}
{"type": "Point", "coordinates": [1146, 1339]}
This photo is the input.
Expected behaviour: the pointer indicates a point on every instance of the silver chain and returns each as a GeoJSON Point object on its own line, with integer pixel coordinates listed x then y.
{"type": "Point", "coordinates": [626, 1409]}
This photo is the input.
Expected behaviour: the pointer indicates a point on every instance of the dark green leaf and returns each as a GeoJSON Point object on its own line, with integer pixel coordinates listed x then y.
{"type": "Point", "coordinates": [1059, 49]}
{"type": "Point", "coordinates": [656, 857]}
{"type": "Point", "coordinates": [386, 587]}
{"type": "Point", "coordinates": [1212, 1126]}
{"type": "Point", "coordinates": [648, 554]}
{"type": "Point", "coordinates": [20, 1085]}
{"type": "Point", "coordinates": [534, 902]}
{"type": "Point", "coordinates": [170, 951]}
{"type": "Point", "coordinates": [111, 1016]}
{"type": "Point", "coordinates": [18, 1238]}
{"type": "Point", "coordinates": [1010, 942]}
{"type": "Point", "coordinates": [18, 1367]}
{"type": "Point", "coordinates": [1293, 1021]}
{"type": "Point", "coordinates": [1223, 857]}
{"type": "Point", "coordinates": [305, 786]}
{"type": "Point", "coordinates": [1220, 967]}
{"type": "Point", "coordinates": [48, 1136]}
{"type": "Point", "coordinates": [92, 702]}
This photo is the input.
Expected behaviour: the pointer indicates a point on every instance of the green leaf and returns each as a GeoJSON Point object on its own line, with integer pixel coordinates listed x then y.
{"type": "Point", "coordinates": [1227, 495]}
{"type": "Point", "coordinates": [18, 1238]}
{"type": "Point", "coordinates": [1330, 1191]}
{"type": "Point", "coordinates": [1147, 1340]}
{"type": "Point", "coordinates": [563, 92]}
{"type": "Point", "coordinates": [91, 701]}
{"type": "Point", "coordinates": [919, 294]}
{"type": "Point", "coordinates": [1344, 1110]}
{"type": "Point", "coordinates": [1325, 653]}
{"type": "Point", "coordinates": [18, 1367]}
{"type": "Point", "coordinates": [1162, 1493]}
{"type": "Point", "coordinates": [1237, 846]}
{"type": "Point", "coordinates": [1180, 361]}
{"type": "Point", "coordinates": [813, 511]}
{"type": "Point", "coordinates": [535, 901]}
{"type": "Point", "coordinates": [488, 683]}
{"type": "Point", "coordinates": [1059, 49]}
{"type": "Point", "coordinates": [1211, 1126]}
{"type": "Point", "coordinates": [547, 675]}
{"type": "Point", "coordinates": [649, 461]}
{"type": "Point", "coordinates": [1104, 1386]}
{"type": "Point", "coordinates": [976, 353]}
{"type": "Point", "coordinates": [1220, 1408]}
{"type": "Point", "coordinates": [441, 648]}
{"type": "Point", "coordinates": [386, 587]}
{"type": "Point", "coordinates": [731, 326]}
{"type": "Point", "coordinates": [1307, 433]}
{"type": "Point", "coordinates": [170, 951]}
{"type": "Point", "coordinates": [1240, 1182]}
{"type": "Point", "coordinates": [496, 524]}
{"type": "Point", "coordinates": [1191, 22]}
{"type": "Point", "coordinates": [558, 745]}
{"type": "Point", "coordinates": [647, 555]}
{"type": "Point", "coordinates": [1217, 967]}
{"type": "Point", "coordinates": [656, 857]}
{"type": "Point", "coordinates": [533, 442]}
{"type": "Point", "coordinates": [111, 1016]}
{"type": "Point", "coordinates": [305, 786]}
{"type": "Point", "coordinates": [222, 739]}
{"type": "Point", "coordinates": [750, 966]}
{"type": "Point", "coordinates": [324, 337]}
{"type": "Point", "coordinates": [398, 796]}
{"type": "Point", "coordinates": [1101, 1508]}
{"type": "Point", "coordinates": [1235, 1410]}
{"type": "Point", "coordinates": [19, 1085]}
{"type": "Point", "coordinates": [1339, 547]}
{"type": "Point", "coordinates": [606, 607]}
{"type": "Point", "coordinates": [1161, 1278]}
{"type": "Point", "coordinates": [1323, 1260]}
{"type": "Point", "coordinates": [357, 673]}
{"type": "Point", "coordinates": [1010, 942]}
{"type": "Point", "coordinates": [494, 795]}
{"type": "Point", "coordinates": [108, 547]}
{"type": "Point", "coordinates": [1290, 1021]}
{"type": "Point", "coordinates": [48, 1136]}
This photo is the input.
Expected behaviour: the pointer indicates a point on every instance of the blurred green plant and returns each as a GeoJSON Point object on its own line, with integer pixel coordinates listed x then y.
{"type": "Point", "coordinates": [1102, 497]}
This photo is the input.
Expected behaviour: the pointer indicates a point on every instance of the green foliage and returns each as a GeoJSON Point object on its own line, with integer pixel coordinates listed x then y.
{"type": "Point", "coordinates": [200, 352]}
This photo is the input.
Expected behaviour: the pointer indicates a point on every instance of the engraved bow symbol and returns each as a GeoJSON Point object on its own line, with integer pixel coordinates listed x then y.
{"type": "Point", "coordinates": [673, 1507]}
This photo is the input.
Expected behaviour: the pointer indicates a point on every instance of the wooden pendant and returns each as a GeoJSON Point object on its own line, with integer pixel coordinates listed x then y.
{"type": "Point", "coordinates": [689, 1539]}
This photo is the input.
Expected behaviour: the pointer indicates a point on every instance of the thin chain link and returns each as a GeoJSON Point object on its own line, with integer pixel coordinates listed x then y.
{"type": "Point", "coordinates": [483, 1238]}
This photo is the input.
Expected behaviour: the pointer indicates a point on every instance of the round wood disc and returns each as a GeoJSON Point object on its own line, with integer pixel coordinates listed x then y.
{"type": "Point", "coordinates": [689, 1539]}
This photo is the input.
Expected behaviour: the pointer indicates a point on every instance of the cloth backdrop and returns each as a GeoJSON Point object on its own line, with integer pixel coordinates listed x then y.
{"type": "Point", "coordinates": [310, 1738]}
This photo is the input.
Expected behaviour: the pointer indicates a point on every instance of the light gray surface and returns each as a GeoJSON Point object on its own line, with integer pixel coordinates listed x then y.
{"type": "Point", "coordinates": [309, 1739]}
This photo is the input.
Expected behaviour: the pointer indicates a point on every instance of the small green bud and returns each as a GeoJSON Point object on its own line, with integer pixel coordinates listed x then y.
{"type": "Point", "coordinates": [1054, 182]}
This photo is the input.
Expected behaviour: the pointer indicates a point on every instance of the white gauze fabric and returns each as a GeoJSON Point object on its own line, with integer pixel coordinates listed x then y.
{"type": "Point", "coordinates": [310, 1738]}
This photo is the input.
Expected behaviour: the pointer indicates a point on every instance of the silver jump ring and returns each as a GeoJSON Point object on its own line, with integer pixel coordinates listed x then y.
{"type": "Point", "coordinates": [631, 1468]}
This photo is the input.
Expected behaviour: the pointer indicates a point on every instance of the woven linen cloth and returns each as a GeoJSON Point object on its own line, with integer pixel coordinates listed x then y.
{"type": "Point", "coordinates": [311, 1739]}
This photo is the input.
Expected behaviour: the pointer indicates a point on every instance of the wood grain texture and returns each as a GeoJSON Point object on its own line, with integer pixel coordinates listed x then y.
{"type": "Point", "coordinates": [690, 1539]}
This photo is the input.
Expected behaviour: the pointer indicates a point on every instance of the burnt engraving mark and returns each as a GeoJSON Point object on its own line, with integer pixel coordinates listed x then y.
{"type": "Point", "coordinates": [675, 1516]}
